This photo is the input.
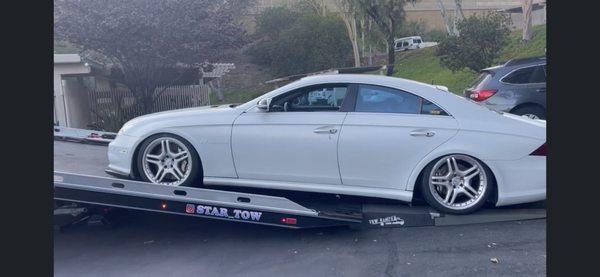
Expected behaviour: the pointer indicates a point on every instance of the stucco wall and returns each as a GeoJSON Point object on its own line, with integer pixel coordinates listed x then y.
{"type": "Point", "coordinates": [426, 10]}
{"type": "Point", "coordinates": [76, 98]}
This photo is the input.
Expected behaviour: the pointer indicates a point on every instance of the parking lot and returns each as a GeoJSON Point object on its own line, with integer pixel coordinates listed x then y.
{"type": "Point", "coordinates": [156, 244]}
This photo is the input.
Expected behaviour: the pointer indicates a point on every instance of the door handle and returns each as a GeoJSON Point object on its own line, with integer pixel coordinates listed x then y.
{"type": "Point", "coordinates": [422, 133]}
{"type": "Point", "coordinates": [325, 131]}
{"type": "Point", "coordinates": [541, 90]}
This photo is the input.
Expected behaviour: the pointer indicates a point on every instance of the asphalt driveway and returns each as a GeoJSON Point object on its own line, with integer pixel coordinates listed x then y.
{"type": "Point", "coordinates": [149, 244]}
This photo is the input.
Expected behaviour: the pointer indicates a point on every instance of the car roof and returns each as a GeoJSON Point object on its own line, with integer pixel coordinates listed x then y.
{"type": "Point", "coordinates": [404, 38]}
{"type": "Point", "coordinates": [362, 78]}
{"type": "Point", "coordinates": [520, 62]}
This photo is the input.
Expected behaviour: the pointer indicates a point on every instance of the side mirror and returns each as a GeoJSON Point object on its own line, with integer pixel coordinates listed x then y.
{"type": "Point", "coordinates": [264, 104]}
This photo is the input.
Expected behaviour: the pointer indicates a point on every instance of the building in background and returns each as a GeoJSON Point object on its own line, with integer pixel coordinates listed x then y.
{"type": "Point", "coordinates": [70, 96]}
{"type": "Point", "coordinates": [428, 11]}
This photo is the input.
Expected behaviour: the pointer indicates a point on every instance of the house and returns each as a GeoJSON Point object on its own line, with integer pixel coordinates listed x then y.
{"type": "Point", "coordinates": [71, 108]}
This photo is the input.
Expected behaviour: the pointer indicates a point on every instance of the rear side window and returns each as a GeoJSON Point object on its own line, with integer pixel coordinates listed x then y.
{"type": "Point", "coordinates": [539, 75]}
{"type": "Point", "coordinates": [482, 80]}
{"type": "Point", "coordinates": [376, 99]}
{"type": "Point", "coordinates": [520, 76]}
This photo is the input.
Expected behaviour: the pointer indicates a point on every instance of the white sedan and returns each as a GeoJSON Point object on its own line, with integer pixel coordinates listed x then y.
{"type": "Point", "coordinates": [362, 135]}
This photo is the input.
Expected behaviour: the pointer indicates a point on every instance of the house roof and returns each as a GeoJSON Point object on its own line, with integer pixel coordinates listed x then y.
{"type": "Point", "coordinates": [67, 58]}
{"type": "Point", "coordinates": [219, 69]}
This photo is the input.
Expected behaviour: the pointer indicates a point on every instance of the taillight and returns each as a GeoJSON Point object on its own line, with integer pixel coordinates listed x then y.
{"type": "Point", "coordinates": [480, 95]}
{"type": "Point", "coordinates": [289, 220]}
{"type": "Point", "coordinates": [541, 151]}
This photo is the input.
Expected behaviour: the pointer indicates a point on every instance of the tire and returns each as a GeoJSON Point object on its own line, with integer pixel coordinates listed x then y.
{"type": "Point", "coordinates": [188, 168]}
{"type": "Point", "coordinates": [534, 111]}
{"type": "Point", "coordinates": [436, 182]}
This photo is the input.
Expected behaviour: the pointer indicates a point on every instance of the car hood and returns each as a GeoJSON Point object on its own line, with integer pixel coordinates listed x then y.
{"type": "Point", "coordinates": [205, 115]}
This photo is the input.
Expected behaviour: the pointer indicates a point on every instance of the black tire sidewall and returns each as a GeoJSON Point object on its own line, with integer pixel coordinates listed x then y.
{"type": "Point", "coordinates": [196, 175]}
{"type": "Point", "coordinates": [538, 111]}
{"type": "Point", "coordinates": [426, 193]}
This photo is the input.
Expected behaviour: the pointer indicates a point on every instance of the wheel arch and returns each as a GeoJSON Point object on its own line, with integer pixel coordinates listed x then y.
{"type": "Point", "coordinates": [417, 173]}
{"type": "Point", "coordinates": [527, 104]}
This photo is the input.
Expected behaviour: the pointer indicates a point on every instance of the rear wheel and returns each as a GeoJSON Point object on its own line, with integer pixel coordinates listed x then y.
{"type": "Point", "coordinates": [456, 184]}
{"type": "Point", "coordinates": [533, 112]}
{"type": "Point", "coordinates": [168, 159]}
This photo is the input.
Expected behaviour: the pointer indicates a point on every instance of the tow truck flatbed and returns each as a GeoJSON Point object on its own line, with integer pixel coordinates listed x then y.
{"type": "Point", "coordinates": [88, 186]}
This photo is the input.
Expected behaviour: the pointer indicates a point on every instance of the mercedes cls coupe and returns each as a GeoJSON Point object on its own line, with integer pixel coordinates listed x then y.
{"type": "Point", "coordinates": [362, 135]}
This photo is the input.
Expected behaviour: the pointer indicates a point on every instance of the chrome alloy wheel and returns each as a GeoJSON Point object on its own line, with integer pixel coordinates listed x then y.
{"type": "Point", "coordinates": [167, 161]}
{"type": "Point", "coordinates": [532, 116]}
{"type": "Point", "coordinates": [458, 182]}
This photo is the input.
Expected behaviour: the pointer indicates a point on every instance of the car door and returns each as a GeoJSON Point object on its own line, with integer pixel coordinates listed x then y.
{"type": "Point", "coordinates": [527, 84]}
{"type": "Point", "coordinates": [295, 140]}
{"type": "Point", "coordinates": [387, 134]}
{"type": "Point", "coordinates": [538, 85]}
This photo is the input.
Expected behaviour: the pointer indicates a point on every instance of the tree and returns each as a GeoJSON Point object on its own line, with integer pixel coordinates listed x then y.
{"type": "Point", "coordinates": [299, 40]}
{"type": "Point", "coordinates": [350, 22]}
{"type": "Point", "coordinates": [458, 16]}
{"type": "Point", "coordinates": [481, 39]}
{"type": "Point", "coordinates": [527, 6]}
{"type": "Point", "coordinates": [387, 16]}
{"type": "Point", "coordinates": [445, 17]}
{"type": "Point", "coordinates": [151, 43]}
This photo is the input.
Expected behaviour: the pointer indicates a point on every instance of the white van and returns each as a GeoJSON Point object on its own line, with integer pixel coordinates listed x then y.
{"type": "Point", "coordinates": [411, 43]}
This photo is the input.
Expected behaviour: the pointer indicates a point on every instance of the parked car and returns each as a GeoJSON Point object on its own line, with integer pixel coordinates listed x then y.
{"type": "Point", "coordinates": [364, 135]}
{"type": "Point", "coordinates": [517, 87]}
{"type": "Point", "coordinates": [411, 43]}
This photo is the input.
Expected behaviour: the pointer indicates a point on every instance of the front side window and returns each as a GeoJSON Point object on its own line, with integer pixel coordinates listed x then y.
{"type": "Point", "coordinates": [376, 99]}
{"type": "Point", "coordinates": [311, 99]}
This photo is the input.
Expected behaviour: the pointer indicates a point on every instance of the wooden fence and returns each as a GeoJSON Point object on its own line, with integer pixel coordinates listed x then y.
{"type": "Point", "coordinates": [111, 108]}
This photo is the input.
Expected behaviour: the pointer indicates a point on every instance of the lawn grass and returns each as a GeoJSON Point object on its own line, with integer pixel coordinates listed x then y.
{"type": "Point", "coordinates": [515, 49]}
{"type": "Point", "coordinates": [424, 66]}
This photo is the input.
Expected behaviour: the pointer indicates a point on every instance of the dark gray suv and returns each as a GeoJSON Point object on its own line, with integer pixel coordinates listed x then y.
{"type": "Point", "coordinates": [517, 87]}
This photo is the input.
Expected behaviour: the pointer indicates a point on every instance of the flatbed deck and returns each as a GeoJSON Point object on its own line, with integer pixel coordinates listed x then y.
{"type": "Point", "coordinates": [80, 178]}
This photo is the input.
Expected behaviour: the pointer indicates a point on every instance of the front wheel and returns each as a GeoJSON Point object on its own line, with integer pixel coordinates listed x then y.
{"type": "Point", "coordinates": [456, 184]}
{"type": "Point", "coordinates": [168, 159]}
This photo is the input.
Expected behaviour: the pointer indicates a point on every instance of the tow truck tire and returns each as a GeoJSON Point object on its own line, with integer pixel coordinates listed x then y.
{"type": "Point", "coordinates": [160, 148]}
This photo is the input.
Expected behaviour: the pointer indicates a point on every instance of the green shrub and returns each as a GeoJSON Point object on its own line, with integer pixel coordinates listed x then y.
{"type": "Point", "coordinates": [479, 44]}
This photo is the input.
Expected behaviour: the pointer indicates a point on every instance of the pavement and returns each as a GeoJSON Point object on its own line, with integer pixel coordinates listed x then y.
{"type": "Point", "coordinates": [150, 244]}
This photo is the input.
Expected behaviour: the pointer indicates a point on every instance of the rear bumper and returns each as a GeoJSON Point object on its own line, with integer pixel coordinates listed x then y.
{"type": "Point", "coordinates": [520, 181]}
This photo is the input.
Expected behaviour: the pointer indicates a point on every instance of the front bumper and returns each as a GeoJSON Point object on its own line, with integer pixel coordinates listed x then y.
{"type": "Point", "coordinates": [120, 156]}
